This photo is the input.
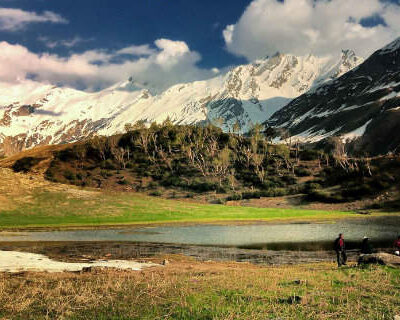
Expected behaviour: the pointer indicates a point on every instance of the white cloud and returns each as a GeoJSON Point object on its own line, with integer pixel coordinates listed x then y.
{"type": "Point", "coordinates": [322, 27]}
{"type": "Point", "coordinates": [69, 43]}
{"type": "Point", "coordinates": [142, 50]}
{"type": "Point", "coordinates": [167, 63]}
{"type": "Point", "coordinates": [228, 33]}
{"type": "Point", "coordinates": [15, 19]}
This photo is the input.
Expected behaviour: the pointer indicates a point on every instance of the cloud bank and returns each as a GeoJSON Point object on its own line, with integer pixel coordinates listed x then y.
{"type": "Point", "coordinates": [16, 19]}
{"type": "Point", "coordinates": [321, 27]}
{"type": "Point", "coordinates": [161, 65]}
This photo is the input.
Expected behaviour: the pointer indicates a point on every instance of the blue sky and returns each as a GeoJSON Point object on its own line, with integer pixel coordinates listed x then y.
{"type": "Point", "coordinates": [91, 44]}
{"type": "Point", "coordinates": [115, 24]}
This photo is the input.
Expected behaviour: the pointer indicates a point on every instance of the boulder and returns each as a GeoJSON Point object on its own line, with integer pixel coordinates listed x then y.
{"type": "Point", "coordinates": [381, 258]}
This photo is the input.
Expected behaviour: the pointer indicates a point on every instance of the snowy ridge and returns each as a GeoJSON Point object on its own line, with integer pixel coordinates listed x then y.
{"type": "Point", "coordinates": [34, 114]}
{"type": "Point", "coordinates": [364, 102]}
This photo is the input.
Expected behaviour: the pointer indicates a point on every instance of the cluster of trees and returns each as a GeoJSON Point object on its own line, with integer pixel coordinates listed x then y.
{"type": "Point", "coordinates": [208, 150]}
{"type": "Point", "coordinates": [204, 158]}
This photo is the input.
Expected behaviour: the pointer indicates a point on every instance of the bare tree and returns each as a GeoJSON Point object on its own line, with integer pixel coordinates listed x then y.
{"type": "Point", "coordinates": [100, 144]}
{"type": "Point", "coordinates": [119, 154]}
{"type": "Point", "coordinates": [80, 151]}
{"type": "Point", "coordinates": [164, 156]}
{"type": "Point", "coordinates": [258, 162]}
{"type": "Point", "coordinates": [221, 164]}
{"type": "Point", "coordinates": [201, 163]}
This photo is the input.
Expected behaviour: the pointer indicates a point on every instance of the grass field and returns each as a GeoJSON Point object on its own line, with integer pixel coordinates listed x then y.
{"type": "Point", "coordinates": [30, 201]}
{"type": "Point", "coordinates": [94, 208]}
{"type": "Point", "coordinates": [186, 289]}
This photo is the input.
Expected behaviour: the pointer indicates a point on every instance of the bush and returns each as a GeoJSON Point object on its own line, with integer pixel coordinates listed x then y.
{"type": "Point", "coordinates": [357, 192]}
{"type": "Point", "coordinates": [155, 193]}
{"type": "Point", "coordinates": [302, 172]}
{"type": "Point", "coordinates": [25, 164]}
{"type": "Point", "coordinates": [325, 197]}
{"type": "Point", "coordinates": [200, 187]}
{"type": "Point", "coordinates": [309, 155]}
{"type": "Point", "coordinates": [108, 164]}
{"type": "Point", "coordinates": [289, 179]}
{"type": "Point", "coordinates": [123, 182]}
{"type": "Point", "coordinates": [234, 197]}
{"type": "Point", "coordinates": [69, 175]}
{"type": "Point", "coordinates": [310, 187]}
{"type": "Point", "coordinates": [105, 174]}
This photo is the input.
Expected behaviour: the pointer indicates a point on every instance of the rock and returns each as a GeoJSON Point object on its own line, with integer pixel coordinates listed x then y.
{"type": "Point", "coordinates": [381, 258]}
{"type": "Point", "coordinates": [165, 262]}
{"type": "Point", "coordinates": [291, 300]}
{"type": "Point", "coordinates": [87, 269]}
{"type": "Point", "coordinates": [364, 212]}
{"type": "Point", "coordinates": [397, 317]}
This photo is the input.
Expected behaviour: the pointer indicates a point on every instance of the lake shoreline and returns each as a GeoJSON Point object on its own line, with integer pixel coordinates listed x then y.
{"type": "Point", "coordinates": [289, 220]}
{"type": "Point", "coordinates": [155, 252]}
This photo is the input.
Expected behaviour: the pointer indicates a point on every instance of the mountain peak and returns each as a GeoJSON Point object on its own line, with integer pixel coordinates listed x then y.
{"type": "Point", "coordinates": [391, 47]}
{"type": "Point", "coordinates": [348, 53]}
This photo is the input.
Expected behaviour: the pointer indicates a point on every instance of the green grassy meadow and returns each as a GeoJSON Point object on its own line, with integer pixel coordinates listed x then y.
{"type": "Point", "coordinates": [63, 209]}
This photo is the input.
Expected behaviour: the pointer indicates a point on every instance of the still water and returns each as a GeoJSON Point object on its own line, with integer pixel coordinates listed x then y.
{"type": "Point", "coordinates": [381, 231]}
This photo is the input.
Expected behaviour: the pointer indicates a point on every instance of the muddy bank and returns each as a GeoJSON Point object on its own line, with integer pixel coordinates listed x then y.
{"type": "Point", "coordinates": [84, 251]}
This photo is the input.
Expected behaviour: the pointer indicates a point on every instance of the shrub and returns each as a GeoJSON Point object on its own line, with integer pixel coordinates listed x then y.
{"type": "Point", "coordinates": [69, 175]}
{"type": "Point", "coordinates": [203, 186]}
{"type": "Point", "coordinates": [105, 174]}
{"type": "Point", "coordinates": [302, 172]}
{"type": "Point", "coordinates": [325, 197]}
{"type": "Point", "coordinates": [108, 164]}
{"type": "Point", "coordinates": [308, 155]}
{"type": "Point", "coordinates": [25, 164]}
{"type": "Point", "coordinates": [310, 187]}
{"type": "Point", "coordinates": [357, 192]}
{"type": "Point", "coordinates": [123, 182]}
{"type": "Point", "coordinates": [155, 193]}
{"type": "Point", "coordinates": [234, 197]}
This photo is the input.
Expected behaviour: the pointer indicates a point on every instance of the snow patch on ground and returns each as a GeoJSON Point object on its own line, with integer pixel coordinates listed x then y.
{"type": "Point", "coordinates": [356, 133]}
{"type": "Point", "coordinates": [13, 261]}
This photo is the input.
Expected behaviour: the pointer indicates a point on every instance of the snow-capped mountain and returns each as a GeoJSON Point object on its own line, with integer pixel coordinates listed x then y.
{"type": "Point", "coordinates": [35, 114]}
{"type": "Point", "coordinates": [363, 102]}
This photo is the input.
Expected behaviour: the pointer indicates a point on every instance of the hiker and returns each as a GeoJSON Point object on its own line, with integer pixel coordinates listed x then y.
{"type": "Point", "coordinates": [340, 249]}
{"type": "Point", "coordinates": [396, 246]}
{"type": "Point", "coordinates": [366, 247]}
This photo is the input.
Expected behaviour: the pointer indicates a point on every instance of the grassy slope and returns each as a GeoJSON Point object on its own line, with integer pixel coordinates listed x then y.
{"type": "Point", "coordinates": [191, 290]}
{"type": "Point", "coordinates": [49, 208]}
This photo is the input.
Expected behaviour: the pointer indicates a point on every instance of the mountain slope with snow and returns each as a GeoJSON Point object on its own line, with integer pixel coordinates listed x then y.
{"type": "Point", "coordinates": [363, 102]}
{"type": "Point", "coordinates": [35, 114]}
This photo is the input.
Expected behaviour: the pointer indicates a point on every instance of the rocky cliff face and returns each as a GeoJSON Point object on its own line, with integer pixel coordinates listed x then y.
{"type": "Point", "coordinates": [33, 114]}
{"type": "Point", "coordinates": [363, 102]}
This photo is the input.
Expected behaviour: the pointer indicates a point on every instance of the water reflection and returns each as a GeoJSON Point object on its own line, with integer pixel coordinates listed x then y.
{"type": "Point", "coordinates": [309, 236]}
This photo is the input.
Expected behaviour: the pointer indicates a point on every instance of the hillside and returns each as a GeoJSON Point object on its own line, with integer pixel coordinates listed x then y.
{"type": "Point", "coordinates": [365, 102]}
{"type": "Point", "coordinates": [208, 165]}
{"type": "Point", "coordinates": [33, 114]}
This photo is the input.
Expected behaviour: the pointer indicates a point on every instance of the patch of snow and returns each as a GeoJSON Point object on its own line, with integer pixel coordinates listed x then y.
{"type": "Point", "coordinates": [13, 261]}
{"type": "Point", "coordinates": [356, 133]}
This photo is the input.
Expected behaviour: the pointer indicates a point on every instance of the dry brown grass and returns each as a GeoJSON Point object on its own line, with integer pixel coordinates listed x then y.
{"type": "Point", "coordinates": [186, 289]}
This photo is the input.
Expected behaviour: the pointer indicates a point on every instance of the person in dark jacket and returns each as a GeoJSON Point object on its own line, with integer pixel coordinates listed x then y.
{"type": "Point", "coordinates": [366, 247]}
{"type": "Point", "coordinates": [340, 249]}
{"type": "Point", "coordinates": [396, 246]}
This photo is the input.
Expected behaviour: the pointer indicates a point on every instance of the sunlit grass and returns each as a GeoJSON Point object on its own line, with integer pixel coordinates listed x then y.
{"type": "Point", "coordinates": [191, 290]}
{"type": "Point", "coordinates": [97, 208]}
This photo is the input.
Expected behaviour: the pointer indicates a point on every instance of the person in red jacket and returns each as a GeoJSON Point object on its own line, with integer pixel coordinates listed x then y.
{"type": "Point", "coordinates": [340, 249]}
{"type": "Point", "coordinates": [396, 246]}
